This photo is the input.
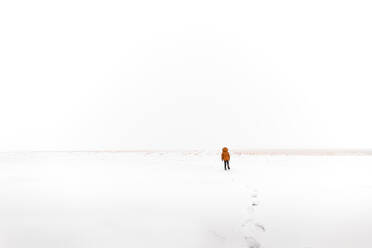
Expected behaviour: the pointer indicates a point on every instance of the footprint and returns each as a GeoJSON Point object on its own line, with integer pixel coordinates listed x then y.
{"type": "Point", "coordinates": [259, 226]}
{"type": "Point", "coordinates": [251, 242]}
{"type": "Point", "coordinates": [254, 197]}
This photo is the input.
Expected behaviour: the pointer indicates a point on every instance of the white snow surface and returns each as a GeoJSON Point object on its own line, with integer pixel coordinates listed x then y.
{"type": "Point", "coordinates": [179, 200]}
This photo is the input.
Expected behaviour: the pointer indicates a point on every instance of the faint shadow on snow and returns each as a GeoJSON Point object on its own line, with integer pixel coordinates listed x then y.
{"type": "Point", "coordinates": [259, 226]}
{"type": "Point", "coordinates": [251, 242]}
{"type": "Point", "coordinates": [241, 235]}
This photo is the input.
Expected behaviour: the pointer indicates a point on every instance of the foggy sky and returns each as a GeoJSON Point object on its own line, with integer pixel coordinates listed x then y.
{"type": "Point", "coordinates": [81, 75]}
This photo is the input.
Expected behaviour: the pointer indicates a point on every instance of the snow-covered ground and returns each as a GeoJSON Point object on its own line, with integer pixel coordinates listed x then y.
{"type": "Point", "coordinates": [135, 200]}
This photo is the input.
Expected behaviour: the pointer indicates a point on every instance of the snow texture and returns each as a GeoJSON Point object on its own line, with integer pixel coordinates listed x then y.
{"type": "Point", "coordinates": [109, 200]}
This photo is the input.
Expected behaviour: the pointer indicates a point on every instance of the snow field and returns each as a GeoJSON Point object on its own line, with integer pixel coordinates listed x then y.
{"type": "Point", "coordinates": [181, 200]}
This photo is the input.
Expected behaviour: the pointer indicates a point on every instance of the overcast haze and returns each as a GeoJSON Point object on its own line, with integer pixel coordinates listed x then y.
{"type": "Point", "coordinates": [81, 75]}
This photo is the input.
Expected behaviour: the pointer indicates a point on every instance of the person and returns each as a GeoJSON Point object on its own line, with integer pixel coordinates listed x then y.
{"type": "Point", "coordinates": [225, 157]}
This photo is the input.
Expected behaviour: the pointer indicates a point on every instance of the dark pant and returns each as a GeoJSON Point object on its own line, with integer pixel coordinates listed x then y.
{"type": "Point", "coordinates": [226, 162]}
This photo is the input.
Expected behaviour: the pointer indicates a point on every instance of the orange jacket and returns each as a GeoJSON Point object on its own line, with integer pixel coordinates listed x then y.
{"type": "Point", "coordinates": [225, 154]}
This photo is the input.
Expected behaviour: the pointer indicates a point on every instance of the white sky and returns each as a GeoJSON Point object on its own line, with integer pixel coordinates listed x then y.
{"type": "Point", "coordinates": [161, 74]}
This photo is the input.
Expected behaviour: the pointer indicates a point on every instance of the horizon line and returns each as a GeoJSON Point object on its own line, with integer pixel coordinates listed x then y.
{"type": "Point", "coordinates": [307, 152]}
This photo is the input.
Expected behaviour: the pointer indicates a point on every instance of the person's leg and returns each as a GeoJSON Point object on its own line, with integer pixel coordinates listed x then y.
{"type": "Point", "coordinates": [225, 163]}
{"type": "Point", "coordinates": [228, 164]}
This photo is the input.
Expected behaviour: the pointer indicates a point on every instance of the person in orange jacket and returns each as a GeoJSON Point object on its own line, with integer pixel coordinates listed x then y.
{"type": "Point", "coordinates": [225, 157]}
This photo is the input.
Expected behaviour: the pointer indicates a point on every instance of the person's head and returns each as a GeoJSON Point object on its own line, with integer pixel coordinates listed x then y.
{"type": "Point", "coordinates": [225, 149]}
